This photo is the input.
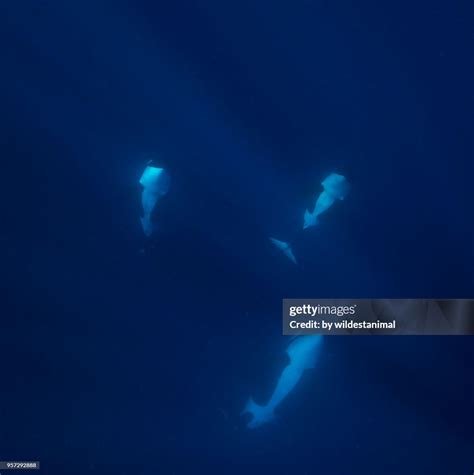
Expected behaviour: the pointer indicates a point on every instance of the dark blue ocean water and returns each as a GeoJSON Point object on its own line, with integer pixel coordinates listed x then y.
{"type": "Point", "coordinates": [126, 355]}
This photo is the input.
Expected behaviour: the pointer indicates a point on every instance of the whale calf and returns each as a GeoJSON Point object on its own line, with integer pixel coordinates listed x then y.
{"type": "Point", "coordinates": [335, 187]}
{"type": "Point", "coordinates": [303, 352]}
{"type": "Point", "coordinates": [156, 183]}
{"type": "Point", "coordinates": [285, 248]}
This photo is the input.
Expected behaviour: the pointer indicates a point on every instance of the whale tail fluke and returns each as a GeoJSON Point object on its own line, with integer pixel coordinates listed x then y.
{"type": "Point", "coordinates": [291, 256]}
{"type": "Point", "coordinates": [310, 219]}
{"type": "Point", "coordinates": [260, 414]}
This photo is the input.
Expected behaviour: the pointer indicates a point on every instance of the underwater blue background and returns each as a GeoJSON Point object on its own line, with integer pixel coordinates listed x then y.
{"type": "Point", "coordinates": [126, 355]}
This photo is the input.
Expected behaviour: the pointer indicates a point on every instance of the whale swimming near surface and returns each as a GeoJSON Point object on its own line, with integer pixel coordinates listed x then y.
{"type": "Point", "coordinates": [285, 248]}
{"type": "Point", "coordinates": [303, 352]}
{"type": "Point", "coordinates": [335, 187]}
{"type": "Point", "coordinates": [156, 183]}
